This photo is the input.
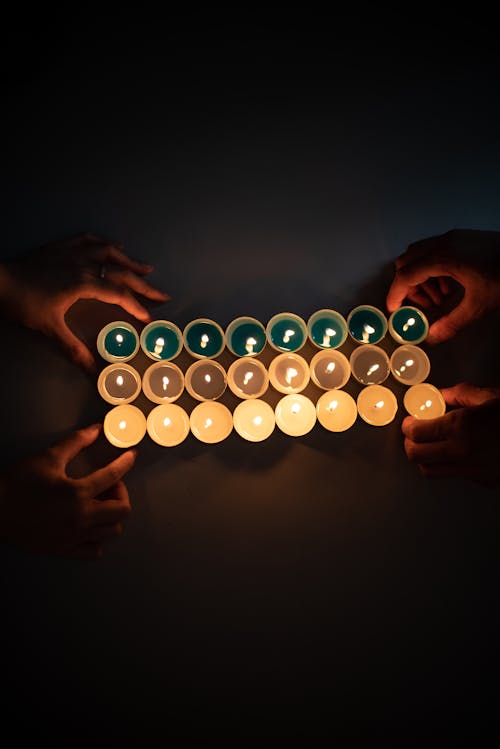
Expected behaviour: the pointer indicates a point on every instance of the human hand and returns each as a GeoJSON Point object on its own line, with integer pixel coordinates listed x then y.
{"type": "Point", "coordinates": [37, 289]}
{"type": "Point", "coordinates": [423, 273]}
{"type": "Point", "coordinates": [45, 511]}
{"type": "Point", "coordinates": [464, 442]}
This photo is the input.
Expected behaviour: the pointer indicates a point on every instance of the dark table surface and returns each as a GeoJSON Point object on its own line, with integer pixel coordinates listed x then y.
{"type": "Point", "coordinates": [261, 167]}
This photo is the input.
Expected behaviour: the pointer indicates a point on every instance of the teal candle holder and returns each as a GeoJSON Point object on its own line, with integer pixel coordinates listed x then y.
{"type": "Point", "coordinates": [161, 340]}
{"type": "Point", "coordinates": [118, 341]}
{"type": "Point", "coordinates": [327, 329]}
{"type": "Point", "coordinates": [204, 339]}
{"type": "Point", "coordinates": [408, 325]}
{"type": "Point", "coordinates": [367, 324]}
{"type": "Point", "coordinates": [286, 332]}
{"type": "Point", "coordinates": [245, 336]}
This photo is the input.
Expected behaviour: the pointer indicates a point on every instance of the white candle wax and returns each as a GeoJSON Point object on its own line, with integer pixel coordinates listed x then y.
{"type": "Point", "coordinates": [369, 364]}
{"type": "Point", "coordinates": [163, 382]}
{"type": "Point", "coordinates": [330, 369]}
{"type": "Point", "coordinates": [424, 401]}
{"type": "Point", "coordinates": [211, 422]}
{"type": "Point", "coordinates": [254, 420]}
{"type": "Point", "coordinates": [410, 365]}
{"type": "Point", "coordinates": [247, 378]}
{"type": "Point", "coordinates": [377, 405]}
{"type": "Point", "coordinates": [119, 383]}
{"type": "Point", "coordinates": [124, 426]}
{"type": "Point", "coordinates": [205, 380]}
{"type": "Point", "coordinates": [168, 425]}
{"type": "Point", "coordinates": [295, 415]}
{"type": "Point", "coordinates": [337, 411]}
{"type": "Point", "coordinates": [289, 373]}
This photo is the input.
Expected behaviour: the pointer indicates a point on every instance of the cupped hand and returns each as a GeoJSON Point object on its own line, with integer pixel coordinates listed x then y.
{"type": "Point", "coordinates": [45, 511]}
{"type": "Point", "coordinates": [464, 442]}
{"type": "Point", "coordinates": [424, 271]}
{"type": "Point", "coordinates": [37, 289]}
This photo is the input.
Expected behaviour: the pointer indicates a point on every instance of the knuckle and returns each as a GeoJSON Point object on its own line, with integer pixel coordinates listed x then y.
{"type": "Point", "coordinates": [411, 450]}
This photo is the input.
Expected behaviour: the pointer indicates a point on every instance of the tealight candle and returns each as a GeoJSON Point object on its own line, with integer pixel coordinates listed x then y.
{"type": "Point", "coordinates": [377, 405]}
{"type": "Point", "coordinates": [211, 422]}
{"type": "Point", "coordinates": [424, 401]}
{"type": "Point", "coordinates": [408, 325]}
{"type": "Point", "coordinates": [286, 332]}
{"type": "Point", "coordinates": [204, 339]}
{"type": "Point", "coordinates": [337, 411]}
{"type": "Point", "coordinates": [119, 383]}
{"type": "Point", "coordinates": [248, 378]}
{"type": "Point", "coordinates": [163, 382]}
{"type": "Point", "coordinates": [327, 329]}
{"type": "Point", "coordinates": [168, 425]}
{"type": "Point", "coordinates": [295, 415]}
{"type": "Point", "coordinates": [124, 426]}
{"type": "Point", "coordinates": [367, 324]}
{"type": "Point", "coordinates": [245, 336]}
{"type": "Point", "coordinates": [254, 420]}
{"type": "Point", "coordinates": [330, 369]}
{"type": "Point", "coordinates": [289, 373]}
{"type": "Point", "coordinates": [161, 339]}
{"type": "Point", "coordinates": [118, 341]}
{"type": "Point", "coordinates": [410, 365]}
{"type": "Point", "coordinates": [370, 364]}
{"type": "Point", "coordinates": [205, 380]}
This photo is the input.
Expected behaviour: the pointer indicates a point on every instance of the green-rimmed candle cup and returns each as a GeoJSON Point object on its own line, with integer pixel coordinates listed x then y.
{"type": "Point", "coordinates": [118, 341]}
{"type": "Point", "coordinates": [286, 332]}
{"type": "Point", "coordinates": [161, 340]}
{"type": "Point", "coordinates": [408, 325]}
{"type": "Point", "coordinates": [245, 336]}
{"type": "Point", "coordinates": [204, 339]}
{"type": "Point", "coordinates": [367, 324]}
{"type": "Point", "coordinates": [327, 329]}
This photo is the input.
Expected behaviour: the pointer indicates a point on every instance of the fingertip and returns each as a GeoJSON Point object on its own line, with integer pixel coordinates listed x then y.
{"type": "Point", "coordinates": [406, 424]}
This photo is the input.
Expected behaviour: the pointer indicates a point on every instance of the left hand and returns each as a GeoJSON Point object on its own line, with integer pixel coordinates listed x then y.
{"type": "Point", "coordinates": [38, 289]}
{"type": "Point", "coordinates": [464, 442]}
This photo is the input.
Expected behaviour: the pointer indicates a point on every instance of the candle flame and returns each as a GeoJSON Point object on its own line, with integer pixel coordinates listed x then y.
{"type": "Point", "coordinates": [166, 421]}
{"type": "Point", "coordinates": [159, 345]}
{"type": "Point", "coordinates": [122, 424]}
{"type": "Point", "coordinates": [207, 378]}
{"type": "Point", "coordinates": [367, 332]}
{"type": "Point", "coordinates": [251, 342]}
{"type": "Point", "coordinates": [247, 378]}
{"type": "Point", "coordinates": [380, 404]}
{"type": "Point", "coordinates": [288, 334]}
{"type": "Point", "coordinates": [204, 340]}
{"type": "Point", "coordinates": [291, 372]}
{"type": "Point", "coordinates": [119, 380]}
{"type": "Point", "coordinates": [208, 423]}
{"type": "Point", "coordinates": [373, 369]}
{"type": "Point", "coordinates": [165, 382]}
{"type": "Point", "coordinates": [257, 421]}
{"type": "Point", "coordinates": [295, 409]}
{"type": "Point", "coordinates": [330, 367]}
{"type": "Point", "coordinates": [329, 333]}
{"type": "Point", "coordinates": [411, 321]}
{"type": "Point", "coordinates": [119, 338]}
{"type": "Point", "coordinates": [332, 406]}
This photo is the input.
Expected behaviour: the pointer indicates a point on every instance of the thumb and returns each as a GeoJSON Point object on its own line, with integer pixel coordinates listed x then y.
{"type": "Point", "coordinates": [465, 395]}
{"type": "Point", "coordinates": [449, 325]}
{"type": "Point", "coordinates": [74, 348]}
{"type": "Point", "coordinates": [68, 448]}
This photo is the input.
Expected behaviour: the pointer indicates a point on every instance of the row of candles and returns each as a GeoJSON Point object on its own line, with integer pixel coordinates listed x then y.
{"type": "Point", "coordinates": [162, 340]}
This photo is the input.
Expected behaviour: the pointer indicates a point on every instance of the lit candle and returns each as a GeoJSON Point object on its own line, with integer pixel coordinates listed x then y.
{"type": "Point", "coordinates": [119, 383]}
{"type": "Point", "coordinates": [211, 422]}
{"type": "Point", "coordinates": [204, 339]}
{"type": "Point", "coordinates": [124, 426]}
{"type": "Point", "coordinates": [245, 336]}
{"type": "Point", "coordinates": [286, 332]}
{"type": "Point", "coordinates": [168, 425]}
{"type": "Point", "coordinates": [161, 339]}
{"type": "Point", "coordinates": [367, 324]}
{"type": "Point", "coordinates": [377, 405]}
{"type": "Point", "coordinates": [337, 411]}
{"type": "Point", "coordinates": [118, 341]}
{"type": "Point", "coordinates": [205, 380]}
{"type": "Point", "coordinates": [327, 329]}
{"type": "Point", "coordinates": [330, 369]}
{"type": "Point", "coordinates": [410, 365]}
{"type": "Point", "coordinates": [163, 382]}
{"type": "Point", "coordinates": [408, 325]}
{"type": "Point", "coordinates": [289, 373]}
{"type": "Point", "coordinates": [370, 364]}
{"type": "Point", "coordinates": [247, 378]}
{"type": "Point", "coordinates": [254, 420]}
{"type": "Point", "coordinates": [424, 401]}
{"type": "Point", "coordinates": [295, 415]}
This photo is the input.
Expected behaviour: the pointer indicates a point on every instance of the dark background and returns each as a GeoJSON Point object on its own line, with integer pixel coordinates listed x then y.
{"type": "Point", "coordinates": [262, 162]}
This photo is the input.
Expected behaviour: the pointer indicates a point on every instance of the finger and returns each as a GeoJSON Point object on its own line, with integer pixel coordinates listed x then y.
{"type": "Point", "coordinates": [108, 511]}
{"type": "Point", "coordinates": [100, 533]}
{"type": "Point", "coordinates": [416, 274]}
{"type": "Point", "coordinates": [102, 479]}
{"type": "Point", "coordinates": [431, 452]}
{"type": "Point", "coordinates": [137, 284]}
{"type": "Point", "coordinates": [449, 325]}
{"type": "Point", "coordinates": [106, 292]}
{"type": "Point", "coordinates": [74, 348]}
{"type": "Point", "coordinates": [427, 430]}
{"type": "Point", "coordinates": [419, 297]}
{"type": "Point", "coordinates": [439, 470]}
{"type": "Point", "coordinates": [419, 249]}
{"type": "Point", "coordinates": [433, 291]}
{"type": "Point", "coordinates": [68, 448]}
{"type": "Point", "coordinates": [112, 254]}
{"type": "Point", "coordinates": [444, 285]}
{"type": "Point", "coordinates": [466, 395]}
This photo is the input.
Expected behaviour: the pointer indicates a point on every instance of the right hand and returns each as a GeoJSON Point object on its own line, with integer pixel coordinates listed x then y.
{"type": "Point", "coordinates": [472, 258]}
{"type": "Point", "coordinates": [45, 511]}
